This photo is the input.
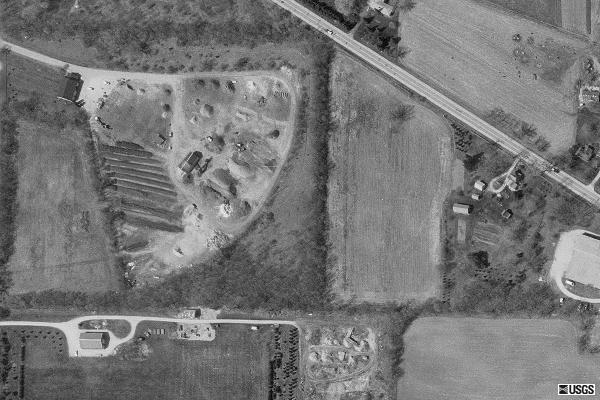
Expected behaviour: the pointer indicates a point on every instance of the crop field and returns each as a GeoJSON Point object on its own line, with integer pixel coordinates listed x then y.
{"type": "Point", "coordinates": [548, 11]}
{"type": "Point", "coordinates": [61, 240]}
{"type": "Point", "coordinates": [595, 19]}
{"type": "Point", "coordinates": [233, 366]}
{"type": "Point", "coordinates": [576, 16]}
{"type": "Point", "coordinates": [475, 61]}
{"type": "Point", "coordinates": [473, 358]}
{"type": "Point", "coordinates": [386, 189]}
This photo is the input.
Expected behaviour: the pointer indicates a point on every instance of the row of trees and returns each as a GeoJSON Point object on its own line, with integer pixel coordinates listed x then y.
{"type": "Point", "coordinates": [8, 192]}
{"type": "Point", "coordinates": [9, 147]}
{"type": "Point", "coordinates": [137, 33]}
{"type": "Point", "coordinates": [329, 11]}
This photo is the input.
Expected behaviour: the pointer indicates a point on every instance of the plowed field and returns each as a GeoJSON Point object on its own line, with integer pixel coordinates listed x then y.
{"type": "Point", "coordinates": [466, 49]}
{"type": "Point", "coordinates": [477, 358]}
{"type": "Point", "coordinates": [386, 189]}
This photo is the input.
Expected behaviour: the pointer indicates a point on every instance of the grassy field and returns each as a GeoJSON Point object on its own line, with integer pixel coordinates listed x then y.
{"type": "Point", "coordinates": [25, 76]}
{"type": "Point", "coordinates": [61, 241]}
{"type": "Point", "coordinates": [470, 358]}
{"type": "Point", "coordinates": [386, 188]}
{"type": "Point", "coordinates": [233, 366]}
{"type": "Point", "coordinates": [476, 61]}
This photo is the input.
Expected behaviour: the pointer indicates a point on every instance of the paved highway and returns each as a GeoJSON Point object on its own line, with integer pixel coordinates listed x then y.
{"type": "Point", "coordinates": [432, 95]}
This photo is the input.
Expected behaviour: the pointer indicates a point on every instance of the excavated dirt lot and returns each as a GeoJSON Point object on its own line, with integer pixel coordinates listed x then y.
{"type": "Point", "coordinates": [241, 127]}
{"type": "Point", "coordinates": [386, 188]}
{"type": "Point", "coordinates": [466, 49]}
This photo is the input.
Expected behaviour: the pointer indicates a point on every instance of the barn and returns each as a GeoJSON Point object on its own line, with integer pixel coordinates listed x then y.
{"type": "Point", "coordinates": [71, 87]}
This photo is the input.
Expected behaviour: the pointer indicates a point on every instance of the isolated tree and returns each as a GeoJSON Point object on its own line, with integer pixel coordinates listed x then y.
{"type": "Point", "coordinates": [402, 52]}
{"type": "Point", "coordinates": [403, 112]}
{"type": "Point", "coordinates": [407, 5]}
{"type": "Point", "coordinates": [528, 130]}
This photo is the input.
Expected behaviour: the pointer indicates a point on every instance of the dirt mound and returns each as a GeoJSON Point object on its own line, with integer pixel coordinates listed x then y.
{"type": "Point", "coordinates": [210, 196]}
{"type": "Point", "coordinates": [241, 171]}
{"type": "Point", "coordinates": [129, 145]}
{"type": "Point", "coordinates": [207, 111]}
{"type": "Point", "coordinates": [216, 144]}
{"type": "Point", "coordinates": [274, 134]}
{"type": "Point", "coordinates": [225, 180]}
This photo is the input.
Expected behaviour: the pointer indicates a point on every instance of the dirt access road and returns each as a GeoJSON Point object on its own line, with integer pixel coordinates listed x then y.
{"type": "Point", "coordinates": [465, 48]}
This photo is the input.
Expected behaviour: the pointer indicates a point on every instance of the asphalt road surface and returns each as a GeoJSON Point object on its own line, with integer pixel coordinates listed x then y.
{"type": "Point", "coordinates": [432, 95]}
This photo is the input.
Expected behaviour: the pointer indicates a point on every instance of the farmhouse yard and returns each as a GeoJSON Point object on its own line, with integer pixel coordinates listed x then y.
{"type": "Point", "coordinates": [466, 49]}
{"type": "Point", "coordinates": [475, 358]}
{"type": "Point", "coordinates": [386, 189]}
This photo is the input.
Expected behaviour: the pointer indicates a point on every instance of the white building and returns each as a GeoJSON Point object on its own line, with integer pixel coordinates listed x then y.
{"type": "Point", "coordinates": [460, 208]}
{"type": "Point", "coordinates": [480, 185]}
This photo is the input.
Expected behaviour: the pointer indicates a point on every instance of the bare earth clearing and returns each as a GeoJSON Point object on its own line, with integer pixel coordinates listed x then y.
{"type": "Point", "coordinates": [61, 241]}
{"type": "Point", "coordinates": [386, 189]}
{"type": "Point", "coordinates": [466, 49]}
{"type": "Point", "coordinates": [473, 358]}
{"type": "Point", "coordinates": [241, 127]}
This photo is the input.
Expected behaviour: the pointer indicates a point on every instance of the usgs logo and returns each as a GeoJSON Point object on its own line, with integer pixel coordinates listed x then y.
{"type": "Point", "coordinates": [576, 389]}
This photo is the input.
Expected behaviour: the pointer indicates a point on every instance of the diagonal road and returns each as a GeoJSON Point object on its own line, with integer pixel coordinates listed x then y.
{"type": "Point", "coordinates": [435, 97]}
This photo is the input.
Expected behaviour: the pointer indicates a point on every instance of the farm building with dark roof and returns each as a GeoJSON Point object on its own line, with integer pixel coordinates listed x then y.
{"type": "Point", "coordinates": [71, 87]}
{"type": "Point", "coordinates": [190, 162]}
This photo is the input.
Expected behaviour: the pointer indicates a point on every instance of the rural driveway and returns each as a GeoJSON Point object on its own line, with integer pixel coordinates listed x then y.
{"type": "Point", "coordinates": [71, 329]}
